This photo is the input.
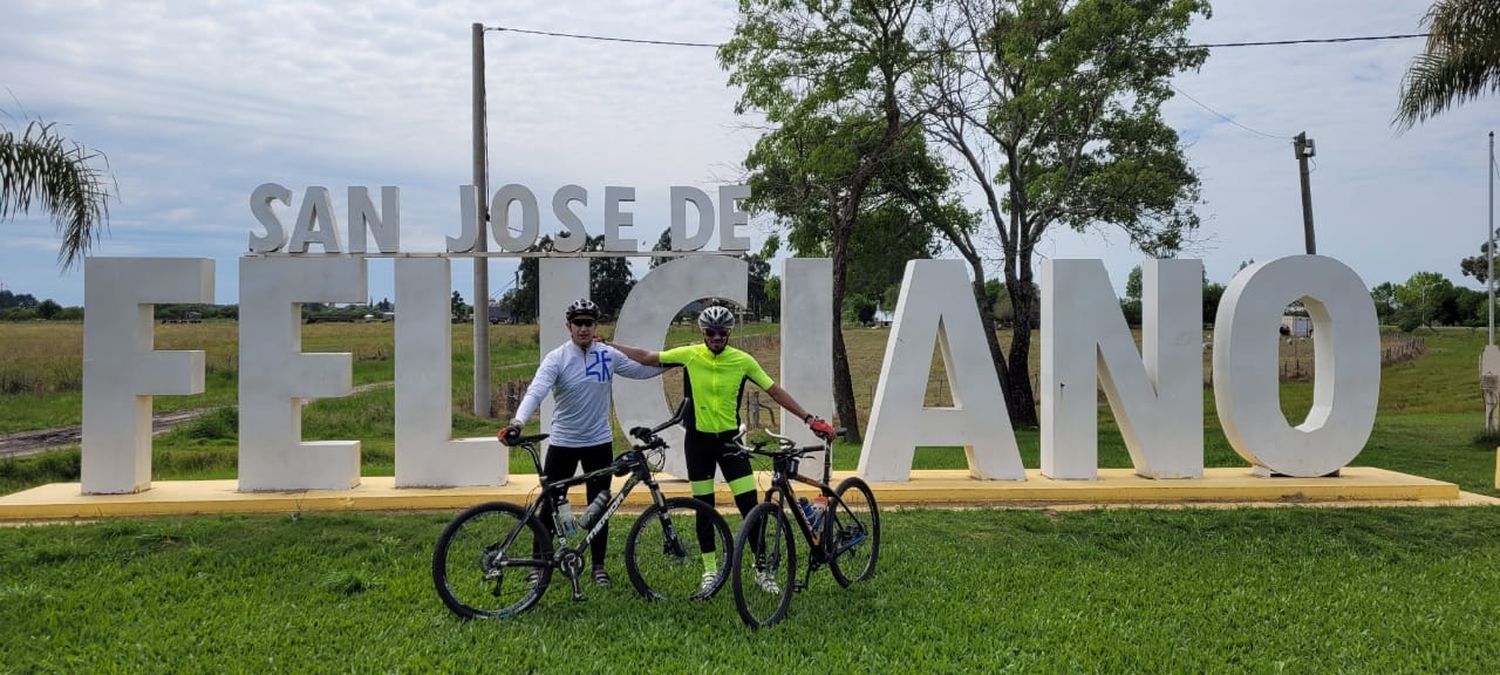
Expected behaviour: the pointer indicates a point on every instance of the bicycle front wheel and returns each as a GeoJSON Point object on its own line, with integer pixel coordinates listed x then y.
{"type": "Point", "coordinates": [852, 530]}
{"type": "Point", "coordinates": [664, 552]}
{"type": "Point", "coordinates": [764, 565]}
{"type": "Point", "coordinates": [483, 563]}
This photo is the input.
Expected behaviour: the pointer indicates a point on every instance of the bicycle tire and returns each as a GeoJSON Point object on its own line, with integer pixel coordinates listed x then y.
{"type": "Point", "coordinates": [662, 554]}
{"type": "Point", "coordinates": [462, 584]}
{"type": "Point", "coordinates": [777, 551]}
{"type": "Point", "coordinates": [844, 523]}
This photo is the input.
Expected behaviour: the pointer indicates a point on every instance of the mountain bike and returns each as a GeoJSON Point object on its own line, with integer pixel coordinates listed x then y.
{"type": "Point", "coordinates": [845, 536]}
{"type": "Point", "coordinates": [495, 560]}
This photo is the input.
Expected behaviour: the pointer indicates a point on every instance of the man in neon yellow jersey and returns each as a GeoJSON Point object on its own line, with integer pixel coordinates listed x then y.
{"type": "Point", "coordinates": [715, 375]}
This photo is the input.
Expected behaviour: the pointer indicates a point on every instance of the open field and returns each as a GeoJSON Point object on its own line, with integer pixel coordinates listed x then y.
{"type": "Point", "coordinates": [1305, 590]}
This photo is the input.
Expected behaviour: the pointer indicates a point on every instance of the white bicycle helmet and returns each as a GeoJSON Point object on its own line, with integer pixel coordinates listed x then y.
{"type": "Point", "coordinates": [583, 307]}
{"type": "Point", "coordinates": [716, 317]}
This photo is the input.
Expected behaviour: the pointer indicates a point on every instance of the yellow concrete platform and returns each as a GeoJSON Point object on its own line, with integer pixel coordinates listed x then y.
{"type": "Point", "coordinates": [1361, 485]}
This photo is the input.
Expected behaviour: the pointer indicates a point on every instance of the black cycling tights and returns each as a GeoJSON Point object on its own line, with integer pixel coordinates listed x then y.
{"type": "Point", "coordinates": [704, 452]}
{"type": "Point", "coordinates": [562, 462]}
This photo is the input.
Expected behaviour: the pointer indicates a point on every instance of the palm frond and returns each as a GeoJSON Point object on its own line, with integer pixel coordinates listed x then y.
{"type": "Point", "coordinates": [41, 168]}
{"type": "Point", "coordinates": [1461, 61]}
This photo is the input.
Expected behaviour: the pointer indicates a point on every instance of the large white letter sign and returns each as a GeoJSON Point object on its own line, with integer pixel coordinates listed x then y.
{"type": "Point", "coordinates": [681, 196]}
{"type": "Point", "coordinates": [316, 223]}
{"type": "Point", "coordinates": [385, 224]}
{"type": "Point", "coordinates": [426, 453]}
{"type": "Point", "coordinates": [1346, 348]}
{"type": "Point", "coordinates": [276, 378]}
{"type": "Point", "coordinates": [260, 207]}
{"type": "Point", "coordinates": [806, 343]}
{"type": "Point", "coordinates": [469, 223]}
{"type": "Point", "coordinates": [500, 217]}
{"type": "Point", "coordinates": [575, 236]}
{"type": "Point", "coordinates": [644, 319]}
{"type": "Point", "coordinates": [1158, 404]}
{"type": "Point", "coordinates": [121, 371]}
{"type": "Point", "coordinates": [937, 305]}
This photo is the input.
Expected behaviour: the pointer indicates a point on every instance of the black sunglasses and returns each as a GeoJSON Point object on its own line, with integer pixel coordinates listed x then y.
{"type": "Point", "coordinates": [582, 323]}
{"type": "Point", "coordinates": [716, 332]}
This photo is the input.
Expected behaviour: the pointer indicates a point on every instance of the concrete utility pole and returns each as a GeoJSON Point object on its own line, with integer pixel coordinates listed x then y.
{"type": "Point", "coordinates": [1305, 149]}
{"type": "Point", "coordinates": [481, 242]}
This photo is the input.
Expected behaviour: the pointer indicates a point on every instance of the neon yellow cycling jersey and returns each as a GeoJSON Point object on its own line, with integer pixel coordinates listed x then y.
{"type": "Point", "coordinates": [716, 383]}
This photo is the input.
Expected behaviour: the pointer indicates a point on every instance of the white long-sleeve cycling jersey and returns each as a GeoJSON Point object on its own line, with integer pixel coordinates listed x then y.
{"type": "Point", "coordinates": [579, 380]}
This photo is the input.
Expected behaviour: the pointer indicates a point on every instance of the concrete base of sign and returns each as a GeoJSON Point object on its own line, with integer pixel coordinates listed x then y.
{"type": "Point", "coordinates": [938, 488]}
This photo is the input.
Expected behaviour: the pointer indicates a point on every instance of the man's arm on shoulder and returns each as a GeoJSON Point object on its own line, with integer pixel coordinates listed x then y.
{"type": "Point", "coordinates": [645, 357]}
{"type": "Point", "coordinates": [634, 370]}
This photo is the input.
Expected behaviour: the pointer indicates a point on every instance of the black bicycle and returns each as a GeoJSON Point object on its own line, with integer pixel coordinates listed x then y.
{"type": "Point", "coordinates": [841, 527]}
{"type": "Point", "coordinates": [495, 559]}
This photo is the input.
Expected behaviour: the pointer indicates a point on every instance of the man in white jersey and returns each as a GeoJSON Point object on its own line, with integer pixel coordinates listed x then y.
{"type": "Point", "coordinates": [578, 374]}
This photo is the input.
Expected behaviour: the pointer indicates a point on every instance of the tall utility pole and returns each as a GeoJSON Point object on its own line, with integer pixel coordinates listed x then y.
{"type": "Point", "coordinates": [1489, 274]}
{"type": "Point", "coordinates": [481, 241]}
{"type": "Point", "coordinates": [1305, 149]}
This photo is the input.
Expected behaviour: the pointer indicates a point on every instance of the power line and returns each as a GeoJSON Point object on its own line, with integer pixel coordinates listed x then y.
{"type": "Point", "coordinates": [715, 45]}
{"type": "Point", "coordinates": [601, 38]}
{"type": "Point", "coordinates": [1227, 118]}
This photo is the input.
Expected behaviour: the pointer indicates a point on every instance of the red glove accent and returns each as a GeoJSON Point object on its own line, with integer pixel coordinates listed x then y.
{"type": "Point", "coordinates": [508, 435]}
{"type": "Point", "coordinates": [821, 429]}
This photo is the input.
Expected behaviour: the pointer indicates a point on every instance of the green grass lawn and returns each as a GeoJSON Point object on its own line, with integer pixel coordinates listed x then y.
{"type": "Point", "coordinates": [1300, 590]}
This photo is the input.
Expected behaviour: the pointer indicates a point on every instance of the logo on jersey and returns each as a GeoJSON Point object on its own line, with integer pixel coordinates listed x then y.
{"type": "Point", "coordinates": [598, 365]}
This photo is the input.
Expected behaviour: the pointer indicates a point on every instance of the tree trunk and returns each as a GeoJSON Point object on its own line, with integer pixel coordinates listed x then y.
{"type": "Point", "coordinates": [843, 385]}
{"type": "Point", "coordinates": [987, 321]}
{"type": "Point", "coordinates": [1019, 395]}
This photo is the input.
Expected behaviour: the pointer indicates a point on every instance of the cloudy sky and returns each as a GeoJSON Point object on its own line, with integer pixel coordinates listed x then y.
{"type": "Point", "coordinates": [197, 103]}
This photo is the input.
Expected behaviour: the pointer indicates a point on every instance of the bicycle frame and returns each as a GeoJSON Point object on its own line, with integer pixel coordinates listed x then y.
{"type": "Point", "coordinates": [640, 472]}
{"type": "Point", "coordinates": [784, 471]}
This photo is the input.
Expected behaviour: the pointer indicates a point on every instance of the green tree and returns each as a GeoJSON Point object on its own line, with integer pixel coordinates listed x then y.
{"type": "Point", "coordinates": [663, 243]}
{"type": "Point", "coordinates": [1461, 61]}
{"type": "Point", "coordinates": [1384, 297]}
{"type": "Point", "coordinates": [829, 78]}
{"type": "Point", "coordinates": [458, 307]}
{"type": "Point", "coordinates": [610, 279]}
{"type": "Point", "coordinates": [1133, 284]}
{"type": "Point", "coordinates": [1477, 266]}
{"type": "Point", "coordinates": [760, 276]}
{"type": "Point", "coordinates": [1422, 296]}
{"type": "Point", "coordinates": [57, 175]}
{"type": "Point", "coordinates": [1054, 106]}
{"type": "Point", "coordinates": [48, 309]}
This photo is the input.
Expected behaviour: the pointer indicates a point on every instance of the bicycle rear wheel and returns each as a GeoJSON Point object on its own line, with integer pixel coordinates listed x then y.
{"type": "Point", "coordinates": [478, 575]}
{"type": "Point", "coordinates": [663, 555]}
{"type": "Point", "coordinates": [852, 530]}
{"type": "Point", "coordinates": [764, 566]}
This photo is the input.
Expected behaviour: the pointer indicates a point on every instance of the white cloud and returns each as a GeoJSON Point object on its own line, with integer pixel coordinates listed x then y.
{"type": "Point", "coordinates": [197, 104]}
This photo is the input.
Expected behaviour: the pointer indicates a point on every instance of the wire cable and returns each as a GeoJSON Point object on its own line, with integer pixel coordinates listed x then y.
{"type": "Point", "coordinates": [1208, 45]}
{"type": "Point", "coordinates": [1227, 118]}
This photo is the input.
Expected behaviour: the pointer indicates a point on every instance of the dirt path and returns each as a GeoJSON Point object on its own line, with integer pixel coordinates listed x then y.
{"type": "Point", "coordinates": [33, 442]}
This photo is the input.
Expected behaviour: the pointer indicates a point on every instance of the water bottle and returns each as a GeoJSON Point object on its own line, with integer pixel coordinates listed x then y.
{"type": "Point", "coordinates": [564, 515]}
{"type": "Point", "coordinates": [807, 509]}
{"type": "Point", "coordinates": [595, 509]}
{"type": "Point", "coordinates": [819, 511]}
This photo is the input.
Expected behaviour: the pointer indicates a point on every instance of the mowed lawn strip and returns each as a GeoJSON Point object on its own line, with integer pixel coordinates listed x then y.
{"type": "Point", "coordinates": [1187, 591]}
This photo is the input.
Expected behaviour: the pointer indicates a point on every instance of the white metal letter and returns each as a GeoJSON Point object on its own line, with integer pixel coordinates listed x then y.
{"type": "Point", "coordinates": [120, 369]}
{"type": "Point", "coordinates": [937, 305]}
{"type": "Point", "coordinates": [1158, 404]}
{"type": "Point", "coordinates": [276, 378]}
{"type": "Point", "coordinates": [1346, 354]}
{"type": "Point", "coordinates": [427, 455]}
